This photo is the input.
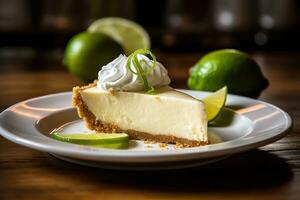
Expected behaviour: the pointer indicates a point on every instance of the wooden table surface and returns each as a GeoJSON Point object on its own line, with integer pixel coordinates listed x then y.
{"type": "Point", "coordinates": [270, 172]}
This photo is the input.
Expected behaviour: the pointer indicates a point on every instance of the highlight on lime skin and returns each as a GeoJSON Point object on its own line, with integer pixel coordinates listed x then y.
{"type": "Point", "coordinates": [104, 140]}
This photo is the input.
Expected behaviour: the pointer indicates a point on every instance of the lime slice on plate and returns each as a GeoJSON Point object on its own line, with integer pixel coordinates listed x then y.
{"type": "Point", "coordinates": [130, 35]}
{"type": "Point", "coordinates": [106, 140]}
{"type": "Point", "coordinates": [214, 103]}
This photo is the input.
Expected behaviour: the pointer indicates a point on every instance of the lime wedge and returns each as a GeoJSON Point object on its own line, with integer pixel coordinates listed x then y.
{"type": "Point", "coordinates": [106, 140]}
{"type": "Point", "coordinates": [214, 103]}
{"type": "Point", "coordinates": [130, 35]}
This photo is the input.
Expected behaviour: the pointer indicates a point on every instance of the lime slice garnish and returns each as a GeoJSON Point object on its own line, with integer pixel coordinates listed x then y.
{"type": "Point", "coordinates": [106, 140]}
{"type": "Point", "coordinates": [130, 35]}
{"type": "Point", "coordinates": [214, 103]}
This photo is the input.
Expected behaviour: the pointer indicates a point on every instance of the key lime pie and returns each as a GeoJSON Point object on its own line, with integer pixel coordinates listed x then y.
{"type": "Point", "coordinates": [132, 95]}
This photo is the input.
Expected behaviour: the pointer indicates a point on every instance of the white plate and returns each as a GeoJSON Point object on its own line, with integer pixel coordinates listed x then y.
{"type": "Point", "coordinates": [245, 125]}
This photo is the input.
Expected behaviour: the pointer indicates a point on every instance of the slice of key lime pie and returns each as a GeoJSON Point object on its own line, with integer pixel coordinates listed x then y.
{"type": "Point", "coordinates": [132, 95]}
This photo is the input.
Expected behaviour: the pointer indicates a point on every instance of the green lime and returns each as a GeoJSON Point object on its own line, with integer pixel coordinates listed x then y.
{"type": "Point", "coordinates": [233, 68]}
{"type": "Point", "coordinates": [214, 103]}
{"type": "Point", "coordinates": [129, 34]}
{"type": "Point", "coordinates": [86, 53]}
{"type": "Point", "coordinates": [106, 140]}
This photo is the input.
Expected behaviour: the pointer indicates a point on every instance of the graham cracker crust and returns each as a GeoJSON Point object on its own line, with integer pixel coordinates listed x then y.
{"type": "Point", "coordinates": [93, 124]}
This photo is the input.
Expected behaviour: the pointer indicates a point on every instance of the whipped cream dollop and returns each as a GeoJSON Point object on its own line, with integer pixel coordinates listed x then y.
{"type": "Point", "coordinates": [116, 75]}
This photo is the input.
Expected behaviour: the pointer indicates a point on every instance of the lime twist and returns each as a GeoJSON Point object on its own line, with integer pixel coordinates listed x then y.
{"type": "Point", "coordinates": [139, 71]}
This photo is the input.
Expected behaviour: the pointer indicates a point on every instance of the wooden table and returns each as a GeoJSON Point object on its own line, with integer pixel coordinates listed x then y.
{"type": "Point", "coordinates": [271, 172]}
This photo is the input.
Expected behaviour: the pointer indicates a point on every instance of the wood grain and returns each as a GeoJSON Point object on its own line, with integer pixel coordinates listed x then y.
{"type": "Point", "coordinates": [271, 172]}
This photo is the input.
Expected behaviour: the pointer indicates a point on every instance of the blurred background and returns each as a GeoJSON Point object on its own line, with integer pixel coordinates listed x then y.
{"type": "Point", "coordinates": [33, 33]}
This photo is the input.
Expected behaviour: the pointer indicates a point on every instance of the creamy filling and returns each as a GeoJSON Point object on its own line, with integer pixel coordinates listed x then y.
{"type": "Point", "coordinates": [168, 112]}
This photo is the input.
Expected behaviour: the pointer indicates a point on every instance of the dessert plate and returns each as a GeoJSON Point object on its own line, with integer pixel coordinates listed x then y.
{"type": "Point", "coordinates": [245, 124]}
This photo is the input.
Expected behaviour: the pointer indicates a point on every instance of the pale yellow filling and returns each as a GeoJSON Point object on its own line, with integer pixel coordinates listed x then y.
{"type": "Point", "coordinates": [168, 112]}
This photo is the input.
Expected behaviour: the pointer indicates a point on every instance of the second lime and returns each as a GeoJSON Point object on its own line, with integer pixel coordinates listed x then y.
{"type": "Point", "coordinates": [86, 53]}
{"type": "Point", "coordinates": [233, 68]}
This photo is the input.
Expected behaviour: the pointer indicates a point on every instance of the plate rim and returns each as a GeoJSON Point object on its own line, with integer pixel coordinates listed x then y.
{"type": "Point", "coordinates": [115, 154]}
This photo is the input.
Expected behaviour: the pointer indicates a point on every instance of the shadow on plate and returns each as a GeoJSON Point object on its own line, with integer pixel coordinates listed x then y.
{"type": "Point", "coordinates": [225, 118]}
{"type": "Point", "coordinates": [252, 170]}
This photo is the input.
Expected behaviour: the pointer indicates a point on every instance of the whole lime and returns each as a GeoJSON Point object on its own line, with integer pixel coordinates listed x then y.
{"type": "Point", "coordinates": [231, 68]}
{"type": "Point", "coordinates": [86, 53]}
